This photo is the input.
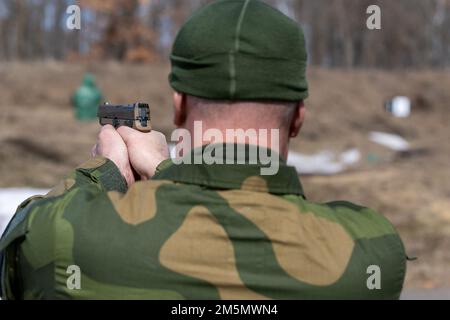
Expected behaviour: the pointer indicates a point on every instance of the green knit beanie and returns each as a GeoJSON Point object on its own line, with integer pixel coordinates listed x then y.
{"type": "Point", "coordinates": [240, 50]}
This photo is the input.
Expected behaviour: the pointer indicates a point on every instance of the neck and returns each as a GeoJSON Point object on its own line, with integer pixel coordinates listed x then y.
{"type": "Point", "coordinates": [269, 136]}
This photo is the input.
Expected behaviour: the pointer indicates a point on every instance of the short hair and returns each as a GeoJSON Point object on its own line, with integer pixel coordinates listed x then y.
{"type": "Point", "coordinates": [280, 111]}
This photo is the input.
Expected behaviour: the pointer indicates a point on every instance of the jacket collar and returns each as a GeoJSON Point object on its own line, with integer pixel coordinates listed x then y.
{"type": "Point", "coordinates": [235, 171]}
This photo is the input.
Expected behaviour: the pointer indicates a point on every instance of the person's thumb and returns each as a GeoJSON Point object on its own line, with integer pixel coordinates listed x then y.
{"type": "Point", "coordinates": [127, 134]}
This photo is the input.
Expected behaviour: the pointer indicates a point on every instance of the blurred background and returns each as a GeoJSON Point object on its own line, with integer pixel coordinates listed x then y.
{"type": "Point", "coordinates": [359, 142]}
{"type": "Point", "coordinates": [416, 32]}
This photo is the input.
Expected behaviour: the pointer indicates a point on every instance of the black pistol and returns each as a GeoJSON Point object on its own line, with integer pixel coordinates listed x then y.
{"type": "Point", "coordinates": [136, 115]}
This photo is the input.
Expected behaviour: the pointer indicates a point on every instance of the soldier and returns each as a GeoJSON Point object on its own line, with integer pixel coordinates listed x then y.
{"type": "Point", "coordinates": [200, 231]}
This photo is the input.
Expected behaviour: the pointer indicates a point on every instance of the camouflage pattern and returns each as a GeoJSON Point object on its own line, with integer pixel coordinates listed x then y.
{"type": "Point", "coordinates": [196, 232]}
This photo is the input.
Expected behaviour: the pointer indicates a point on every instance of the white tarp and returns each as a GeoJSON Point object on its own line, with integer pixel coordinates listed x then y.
{"type": "Point", "coordinates": [324, 162]}
{"type": "Point", "coordinates": [389, 140]}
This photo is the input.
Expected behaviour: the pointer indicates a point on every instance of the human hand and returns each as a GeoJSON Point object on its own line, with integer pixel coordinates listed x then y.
{"type": "Point", "coordinates": [111, 145]}
{"type": "Point", "coordinates": [145, 150]}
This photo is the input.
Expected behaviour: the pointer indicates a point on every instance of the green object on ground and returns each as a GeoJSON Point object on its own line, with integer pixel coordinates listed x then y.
{"type": "Point", "coordinates": [86, 99]}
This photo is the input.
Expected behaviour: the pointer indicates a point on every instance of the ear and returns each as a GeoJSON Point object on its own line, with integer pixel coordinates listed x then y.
{"type": "Point", "coordinates": [179, 105]}
{"type": "Point", "coordinates": [297, 119]}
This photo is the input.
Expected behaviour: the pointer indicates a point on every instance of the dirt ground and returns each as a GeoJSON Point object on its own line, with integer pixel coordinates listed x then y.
{"type": "Point", "coordinates": [41, 141]}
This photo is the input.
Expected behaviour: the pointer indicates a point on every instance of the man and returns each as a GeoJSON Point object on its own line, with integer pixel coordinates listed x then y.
{"type": "Point", "coordinates": [205, 231]}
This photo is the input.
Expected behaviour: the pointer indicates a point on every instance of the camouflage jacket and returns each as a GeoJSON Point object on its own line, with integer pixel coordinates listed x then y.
{"type": "Point", "coordinates": [196, 232]}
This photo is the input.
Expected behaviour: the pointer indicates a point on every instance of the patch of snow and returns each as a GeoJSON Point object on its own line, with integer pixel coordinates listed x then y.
{"type": "Point", "coordinates": [389, 140]}
{"type": "Point", "coordinates": [10, 199]}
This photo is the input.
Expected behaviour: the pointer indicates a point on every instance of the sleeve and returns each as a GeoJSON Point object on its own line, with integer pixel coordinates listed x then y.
{"type": "Point", "coordinates": [163, 165]}
{"type": "Point", "coordinates": [99, 172]}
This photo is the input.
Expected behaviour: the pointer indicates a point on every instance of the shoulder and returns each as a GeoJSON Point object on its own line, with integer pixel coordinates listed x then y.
{"type": "Point", "coordinates": [14, 235]}
{"type": "Point", "coordinates": [374, 237]}
{"type": "Point", "coordinates": [18, 225]}
{"type": "Point", "coordinates": [373, 240]}
{"type": "Point", "coordinates": [35, 216]}
{"type": "Point", "coordinates": [359, 221]}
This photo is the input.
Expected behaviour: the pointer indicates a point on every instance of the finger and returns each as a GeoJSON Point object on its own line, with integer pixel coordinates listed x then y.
{"type": "Point", "coordinates": [158, 136]}
{"type": "Point", "coordinates": [129, 175]}
{"type": "Point", "coordinates": [108, 127]}
{"type": "Point", "coordinates": [108, 134]}
{"type": "Point", "coordinates": [127, 133]}
{"type": "Point", "coordinates": [94, 150]}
